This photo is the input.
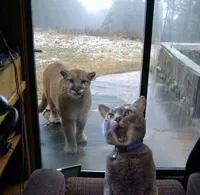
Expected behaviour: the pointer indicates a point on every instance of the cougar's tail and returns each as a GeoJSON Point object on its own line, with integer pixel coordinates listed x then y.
{"type": "Point", "coordinates": [43, 104]}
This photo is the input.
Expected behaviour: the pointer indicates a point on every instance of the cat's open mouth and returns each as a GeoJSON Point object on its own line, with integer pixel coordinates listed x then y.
{"type": "Point", "coordinates": [120, 133]}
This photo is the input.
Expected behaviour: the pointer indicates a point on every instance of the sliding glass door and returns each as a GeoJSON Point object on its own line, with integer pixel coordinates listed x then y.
{"type": "Point", "coordinates": [136, 47]}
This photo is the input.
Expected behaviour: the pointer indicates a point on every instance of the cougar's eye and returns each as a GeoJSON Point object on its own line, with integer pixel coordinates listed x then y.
{"type": "Point", "coordinates": [84, 81]}
{"type": "Point", "coordinates": [70, 80]}
{"type": "Point", "coordinates": [110, 115]}
{"type": "Point", "coordinates": [128, 113]}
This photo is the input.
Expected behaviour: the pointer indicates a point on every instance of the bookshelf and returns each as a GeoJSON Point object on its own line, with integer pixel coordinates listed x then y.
{"type": "Point", "coordinates": [16, 26]}
{"type": "Point", "coordinates": [9, 90]}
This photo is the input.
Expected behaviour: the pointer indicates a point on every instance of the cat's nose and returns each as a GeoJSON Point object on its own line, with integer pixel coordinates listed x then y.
{"type": "Point", "coordinates": [118, 119]}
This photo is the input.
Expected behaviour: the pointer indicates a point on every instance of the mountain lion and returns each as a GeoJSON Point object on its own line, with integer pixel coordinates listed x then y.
{"type": "Point", "coordinates": [67, 92]}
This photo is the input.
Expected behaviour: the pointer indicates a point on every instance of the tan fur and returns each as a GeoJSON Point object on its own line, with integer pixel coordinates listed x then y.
{"type": "Point", "coordinates": [71, 110]}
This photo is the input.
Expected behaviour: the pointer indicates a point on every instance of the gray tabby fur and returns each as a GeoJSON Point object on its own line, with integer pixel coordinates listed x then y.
{"type": "Point", "coordinates": [133, 172]}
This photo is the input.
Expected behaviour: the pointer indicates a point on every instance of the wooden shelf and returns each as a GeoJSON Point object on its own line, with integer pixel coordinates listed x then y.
{"type": "Point", "coordinates": [12, 189]}
{"type": "Point", "coordinates": [12, 99]}
{"type": "Point", "coordinates": [19, 40]}
{"type": "Point", "coordinates": [4, 159]}
{"type": "Point", "coordinates": [7, 77]}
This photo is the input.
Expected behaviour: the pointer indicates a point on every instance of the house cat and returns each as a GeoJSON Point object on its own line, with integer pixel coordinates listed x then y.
{"type": "Point", "coordinates": [130, 169]}
{"type": "Point", "coordinates": [67, 92]}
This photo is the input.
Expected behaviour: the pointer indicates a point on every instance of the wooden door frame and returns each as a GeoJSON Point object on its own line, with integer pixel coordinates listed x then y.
{"type": "Point", "coordinates": [32, 137]}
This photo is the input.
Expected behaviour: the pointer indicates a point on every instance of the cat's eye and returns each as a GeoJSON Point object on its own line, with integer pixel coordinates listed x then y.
{"type": "Point", "coordinates": [70, 80]}
{"type": "Point", "coordinates": [128, 113]}
{"type": "Point", "coordinates": [110, 115]}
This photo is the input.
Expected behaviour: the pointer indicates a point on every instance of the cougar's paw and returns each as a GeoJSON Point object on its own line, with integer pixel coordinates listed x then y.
{"type": "Point", "coordinates": [71, 149]}
{"type": "Point", "coordinates": [81, 138]}
{"type": "Point", "coordinates": [54, 120]}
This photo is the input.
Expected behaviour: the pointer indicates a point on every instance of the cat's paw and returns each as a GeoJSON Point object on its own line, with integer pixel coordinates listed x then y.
{"type": "Point", "coordinates": [54, 120]}
{"type": "Point", "coordinates": [71, 149]}
{"type": "Point", "coordinates": [82, 138]}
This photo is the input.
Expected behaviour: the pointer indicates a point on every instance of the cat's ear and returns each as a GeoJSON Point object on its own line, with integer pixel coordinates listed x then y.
{"type": "Point", "coordinates": [91, 75]}
{"type": "Point", "coordinates": [103, 110]}
{"type": "Point", "coordinates": [140, 104]}
{"type": "Point", "coordinates": [64, 73]}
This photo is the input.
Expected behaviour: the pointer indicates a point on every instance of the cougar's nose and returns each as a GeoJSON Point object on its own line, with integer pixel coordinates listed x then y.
{"type": "Point", "coordinates": [76, 89]}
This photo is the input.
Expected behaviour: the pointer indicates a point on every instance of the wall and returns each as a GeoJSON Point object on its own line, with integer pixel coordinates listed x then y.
{"type": "Point", "coordinates": [181, 75]}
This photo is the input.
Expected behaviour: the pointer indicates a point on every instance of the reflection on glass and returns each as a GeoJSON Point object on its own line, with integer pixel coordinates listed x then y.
{"type": "Point", "coordinates": [173, 95]}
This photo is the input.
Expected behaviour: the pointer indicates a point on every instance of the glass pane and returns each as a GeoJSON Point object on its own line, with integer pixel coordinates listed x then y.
{"type": "Point", "coordinates": [105, 36]}
{"type": "Point", "coordinates": [173, 93]}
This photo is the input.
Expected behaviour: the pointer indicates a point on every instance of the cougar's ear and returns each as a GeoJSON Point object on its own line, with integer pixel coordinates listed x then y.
{"type": "Point", "coordinates": [140, 104]}
{"type": "Point", "coordinates": [103, 110]}
{"type": "Point", "coordinates": [64, 73]}
{"type": "Point", "coordinates": [91, 75]}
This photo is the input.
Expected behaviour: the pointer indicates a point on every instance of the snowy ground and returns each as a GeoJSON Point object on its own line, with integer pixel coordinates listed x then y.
{"type": "Point", "coordinates": [116, 48]}
{"type": "Point", "coordinates": [100, 54]}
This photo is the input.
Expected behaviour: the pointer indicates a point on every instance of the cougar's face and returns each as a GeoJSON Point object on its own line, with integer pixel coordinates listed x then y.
{"type": "Point", "coordinates": [78, 81]}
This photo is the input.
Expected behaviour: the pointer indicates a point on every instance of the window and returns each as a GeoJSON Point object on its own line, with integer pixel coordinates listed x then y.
{"type": "Point", "coordinates": [173, 92]}
{"type": "Point", "coordinates": [107, 38]}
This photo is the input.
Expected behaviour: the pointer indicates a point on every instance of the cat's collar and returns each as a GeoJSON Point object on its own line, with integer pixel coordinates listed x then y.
{"type": "Point", "coordinates": [123, 149]}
